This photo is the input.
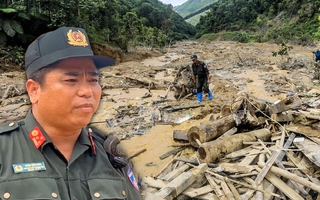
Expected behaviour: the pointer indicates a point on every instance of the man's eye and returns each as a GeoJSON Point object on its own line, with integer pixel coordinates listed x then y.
{"type": "Point", "coordinates": [94, 80]}
{"type": "Point", "coordinates": [71, 80]}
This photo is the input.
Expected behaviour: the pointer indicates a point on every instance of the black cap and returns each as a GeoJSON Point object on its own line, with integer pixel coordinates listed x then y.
{"type": "Point", "coordinates": [193, 57]}
{"type": "Point", "coordinates": [62, 43]}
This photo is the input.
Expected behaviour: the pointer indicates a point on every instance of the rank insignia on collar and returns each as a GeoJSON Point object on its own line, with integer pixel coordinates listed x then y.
{"type": "Point", "coordinates": [77, 38]}
{"type": "Point", "coordinates": [37, 137]}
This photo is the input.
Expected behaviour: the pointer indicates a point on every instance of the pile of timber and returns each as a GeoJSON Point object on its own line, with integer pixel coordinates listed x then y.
{"type": "Point", "coordinates": [254, 150]}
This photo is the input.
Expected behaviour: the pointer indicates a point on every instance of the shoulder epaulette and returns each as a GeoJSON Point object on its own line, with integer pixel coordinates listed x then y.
{"type": "Point", "coordinates": [7, 127]}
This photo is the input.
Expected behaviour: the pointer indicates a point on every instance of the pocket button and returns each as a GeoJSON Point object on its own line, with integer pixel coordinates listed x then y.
{"type": "Point", "coordinates": [97, 195]}
{"type": "Point", "coordinates": [6, 195]}
{"type": "Point", "coordinates": [54, 195]}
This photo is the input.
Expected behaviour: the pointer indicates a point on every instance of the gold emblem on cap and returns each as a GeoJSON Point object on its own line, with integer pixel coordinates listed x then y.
{"type": "Point", "coordinates": [77, 38]}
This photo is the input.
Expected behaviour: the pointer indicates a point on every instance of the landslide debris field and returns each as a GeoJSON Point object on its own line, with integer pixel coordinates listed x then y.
{"type": "Point", "coordinates": [138, 104]}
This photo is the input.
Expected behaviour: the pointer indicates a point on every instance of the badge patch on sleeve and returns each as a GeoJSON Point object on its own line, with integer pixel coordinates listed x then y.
{"type": "Point", "coordinates": [28, 167]}
{"type": "Point", "coordinates": [132, 179]}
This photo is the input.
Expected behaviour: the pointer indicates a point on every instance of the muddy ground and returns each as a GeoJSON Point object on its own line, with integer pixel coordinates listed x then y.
{"type": "Point", "coordinates": [137, 106]}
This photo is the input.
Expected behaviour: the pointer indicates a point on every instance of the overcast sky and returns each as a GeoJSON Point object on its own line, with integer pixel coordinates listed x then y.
{"type": "Point", "coordinates": [174, 2]}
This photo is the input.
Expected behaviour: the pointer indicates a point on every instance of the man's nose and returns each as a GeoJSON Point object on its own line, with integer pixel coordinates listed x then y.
{"type": "Point", "coordinates": [85, 89]}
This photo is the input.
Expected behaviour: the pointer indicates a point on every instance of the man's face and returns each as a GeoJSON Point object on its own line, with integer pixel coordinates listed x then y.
{"type": "Point", "coordinates": [69, 96]}
{"type": "Point", "coordinates": [195, 60]}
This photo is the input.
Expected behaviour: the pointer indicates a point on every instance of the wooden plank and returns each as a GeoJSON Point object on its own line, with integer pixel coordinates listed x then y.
{"type": "Point", "coordinates": [282, 117]}
{"type": "Point", "coordinates": [294, 177]}
{"type": "Point", "coordinates": [268, 187]}
{"type": "Point", "coordinates": [182, 182]}
{"type": "Point", "coordinates": [243, 175]}
{"type": "Point", "coordinates": [281, 156]}
{"type": "Point", "coordinates": [302, 163]}
{"type": "Point", "coordinates": [285, 146]}
{"type": "Point", "coordinates": [260, 195]}
{"type": "Point", "coordinates": [288, 191]}
{"type": "Point", "coordinates": [239, 153]}
{"type": "Point", "coordinates": [248, 194]}
{"type": "Point", "coordinates": [227, 190]}
{"type": "Point", "coordinates": [314, 111]}
{"type": "Point", "coordinates": [239, 183]}
{"type": "Point", "coordinates": [215, 187]}
{"type": "Point", "coordinates": [250, 157]}
{"type": "Point", "coordinates": [304, 130]}
{"type": "Point", "coordinates": [180, 135]}
{"type": "Point", "coordinates": [193, 192]}
{"type": "Point", "coordinates": [283, 137]}
{"type": "Point", "coordinates": [194, 162]}
{"type": "Point", "coordinates": [311, 115]}
{"type": "Point", "coordinates": [172, 152]}
{"type": "Point", "coordinates": [267, 166]}
{"type": "Point", "coordinates": [237, 168]}
{"type": "Point", "coordinates": [208, 196]}
{"type": "Point", "coordinates": [150, 196]}
{"type": "Point", "coordinates": [228, 133]}
{"type": "Point", "coordinates": [277, 107]}
{"type": "Point", "coordinates": [310, 149]}
{"type": "Point", "coordinates": [175, 173]}
{"type": "Point", "coordinates": [234, 191]}
{"type": "Point", "coordinates": [156, 183]}
{"type": "Point", "coordinates": [165, 168]}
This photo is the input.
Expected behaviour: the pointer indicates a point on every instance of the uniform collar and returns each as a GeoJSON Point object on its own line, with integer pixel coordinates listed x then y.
{"type": "Point", "coordinates": [31, 124]}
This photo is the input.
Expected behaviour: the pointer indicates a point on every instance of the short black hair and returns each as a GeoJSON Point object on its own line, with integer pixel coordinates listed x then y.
{"type": "Point", "coordinates": [40, 75]}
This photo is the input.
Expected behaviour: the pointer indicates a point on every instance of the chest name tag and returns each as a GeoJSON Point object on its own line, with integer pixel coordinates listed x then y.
{"type": "Point", "coordinates": [28, 167]}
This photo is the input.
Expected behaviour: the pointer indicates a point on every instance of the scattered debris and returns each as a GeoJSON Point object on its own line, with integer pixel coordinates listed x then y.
{"type": "Point", "coordinates": [235, 158]}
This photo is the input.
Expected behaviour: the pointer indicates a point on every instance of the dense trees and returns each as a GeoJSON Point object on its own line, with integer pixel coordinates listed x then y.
{"type": "Point", "coordinates": [269, 19]}
{"type": "Point", "coordinates": [119, 22]}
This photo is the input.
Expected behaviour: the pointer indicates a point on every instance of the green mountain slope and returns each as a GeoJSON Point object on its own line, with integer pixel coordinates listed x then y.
{"type": "Point", "coordinates": [282, 20]}
{"type": "Point", "coordinates": [192, 6]}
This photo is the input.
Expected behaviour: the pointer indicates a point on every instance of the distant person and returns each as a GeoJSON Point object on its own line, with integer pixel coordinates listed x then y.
{"type": "Point", "coordinates": [317, 54]}
{"type": "Point", "coordinates": [52, 154]}
{"type": "Point", "coordinates": [201, 77]}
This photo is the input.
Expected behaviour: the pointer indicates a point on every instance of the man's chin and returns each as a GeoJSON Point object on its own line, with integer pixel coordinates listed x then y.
{"type": "Point", "coordinates": [82, 122]}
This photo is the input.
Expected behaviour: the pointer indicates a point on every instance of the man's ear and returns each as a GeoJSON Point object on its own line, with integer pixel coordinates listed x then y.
{"type": "Point", "coordinates": [33, 89]}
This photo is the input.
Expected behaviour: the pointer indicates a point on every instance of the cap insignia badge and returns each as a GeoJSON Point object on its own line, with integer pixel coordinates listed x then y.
{"type": "Point", "coordinates": [77, 38]}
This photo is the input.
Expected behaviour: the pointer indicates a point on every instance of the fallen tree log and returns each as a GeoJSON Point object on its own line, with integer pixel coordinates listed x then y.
{"type": "Point", "coordinates": [212, 151]}
{"type": "Point", "coordinates": [210, 130]}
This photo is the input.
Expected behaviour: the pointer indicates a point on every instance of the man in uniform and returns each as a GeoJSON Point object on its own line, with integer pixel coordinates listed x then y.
{"type": "Point", "coordinates": [201, 77]}
{"type": "Point", "coordinates": [52, 154]}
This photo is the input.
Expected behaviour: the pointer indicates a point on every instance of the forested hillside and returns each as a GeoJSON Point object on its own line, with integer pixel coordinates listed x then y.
{"type": "Point", "coordinates": [193, 7]}
{"type": "Point", "coordinates": [121, 23]}
{"type": "Point", "coordinates": [126, 23]}
{"type": "Point", "coordinates": [263, 20]}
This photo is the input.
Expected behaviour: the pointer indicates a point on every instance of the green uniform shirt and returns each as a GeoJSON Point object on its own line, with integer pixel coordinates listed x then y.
{"type": "Point", "coordinates": [200, 69]}
{"type": "Point", "coordinates": [28, 172]}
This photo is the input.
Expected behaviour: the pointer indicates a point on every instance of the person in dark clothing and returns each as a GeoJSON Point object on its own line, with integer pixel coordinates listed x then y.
{"type": "Point", "coordinates": [317, 54]}
{"type": "Point", "coordinates": [52, 153]}
{"type": "Point", "coordinates": [201, 77]}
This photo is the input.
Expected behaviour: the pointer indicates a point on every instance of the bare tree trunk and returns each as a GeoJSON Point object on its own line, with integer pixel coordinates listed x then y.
{"type": "Point", "coordinates": [212, 151]}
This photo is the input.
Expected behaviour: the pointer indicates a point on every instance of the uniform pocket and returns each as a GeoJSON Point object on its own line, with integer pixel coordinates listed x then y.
{"type": "Point", "coordinates": [107, 189]}
{"type": "Point", "coordinates": [30, 189]}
